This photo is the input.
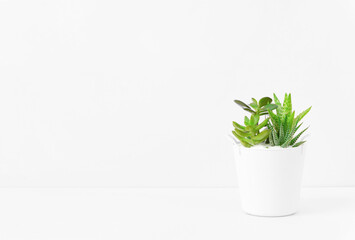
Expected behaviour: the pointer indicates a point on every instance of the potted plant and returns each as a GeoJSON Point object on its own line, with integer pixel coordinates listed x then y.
{"type": "Point", "coordinates": [269, 157]}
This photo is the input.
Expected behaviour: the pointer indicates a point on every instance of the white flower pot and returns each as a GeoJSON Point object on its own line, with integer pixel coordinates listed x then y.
{"type": "Point", "coordinates": [269, 179]}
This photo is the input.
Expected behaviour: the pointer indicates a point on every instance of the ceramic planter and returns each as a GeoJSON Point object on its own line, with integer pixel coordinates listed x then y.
{"type": "Point", "coordinates": [269, 179]}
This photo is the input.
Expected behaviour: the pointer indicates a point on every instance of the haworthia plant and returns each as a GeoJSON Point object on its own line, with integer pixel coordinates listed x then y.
{"type": "Point", "coordinates": [284, 124]}
{"type": "Point", "coordinates": [252, 133]}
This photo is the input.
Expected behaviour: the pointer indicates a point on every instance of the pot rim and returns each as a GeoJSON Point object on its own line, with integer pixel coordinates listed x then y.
{"type": "Point", "coordinates": [269, 148]}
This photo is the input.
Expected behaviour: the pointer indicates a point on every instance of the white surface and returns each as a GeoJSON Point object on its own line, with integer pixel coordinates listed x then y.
{"type": "Point", "coordinates": [195, 213]}
{"type": "Point", "coordinates": [139, 93]}
{"type": "Point", "coordinates": [269, 179]}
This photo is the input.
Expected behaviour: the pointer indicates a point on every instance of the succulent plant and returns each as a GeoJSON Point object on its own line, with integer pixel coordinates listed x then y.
{"type": "Point", "coordinates": [284, 124]}
{"type": "Point", "coordinates": [251, 134]}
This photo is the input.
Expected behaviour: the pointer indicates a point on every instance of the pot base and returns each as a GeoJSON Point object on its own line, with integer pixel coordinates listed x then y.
{"type": "Point", "coordinates": [270, 216]}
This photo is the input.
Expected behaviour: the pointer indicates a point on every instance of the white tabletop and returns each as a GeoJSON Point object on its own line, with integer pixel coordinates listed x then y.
{"type": "Point", "coordinates": [168, 213]}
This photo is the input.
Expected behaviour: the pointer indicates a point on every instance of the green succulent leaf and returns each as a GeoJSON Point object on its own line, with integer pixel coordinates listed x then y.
{"type": "Point", "coordinates": [286, 143]}
{"type": "Point", "coordinates": [242, 104]}
{"type": "Point", "coordinates": [245, 144]}
{"type": "Point", "coordinates": [250, 141]}
{"type": "Point", "coordinates": [262, 124]}
{"type": "Point", "coordinates": [242, 133]}
{"type": "Point", "coordinates": [269, 107]}
{"type": "Point", "coordinates": [294, 140]}
{"type": "Point", "coordinates": [237, 125]}
{"type": "Point", "coordinates": [262, 136]}
{"type": "Point", "coordinates": [249, 110]}
{"type": "Point", "coordinates": [264, 101]}
{"type": "Point", "coordinates": [278, 103]}
{"type": "Point", "coordinates": [256, 119]}
{"type": "Point", "coordinates": [302, 114]}
{"type": "Point", "coordinates": [294, 130]}
{"type": "Point", "coordinates": [287, 105]}
{"type": "Point", "coordinates": [271, 141]}
{"type": "Point", "coordinates": [290, 119]}
{"type": "Point", "coordinates": [246, 121]}
{"type": "Point", "coordinates": [298, 144]}
{"type": "Point", "coordinates": [274, 119]}
{"type": "Point", "coordinates": [252, 121]}
{"type": "Point", "coordinates": [281, 133]}
{"type": "Point", "coordinates": [275, 137]}
{"type": "Point", "coordinates": [254, 105]}
{"type": "Point", "coordinates": [241, 139]}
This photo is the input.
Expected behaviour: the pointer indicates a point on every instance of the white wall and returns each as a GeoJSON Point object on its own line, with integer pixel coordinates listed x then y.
{"type": "Point", "coordinates": [139, 93]}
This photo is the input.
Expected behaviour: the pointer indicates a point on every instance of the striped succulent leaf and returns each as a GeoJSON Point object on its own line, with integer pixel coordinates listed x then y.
{"type": "Point", "coordinates": [284, 125]}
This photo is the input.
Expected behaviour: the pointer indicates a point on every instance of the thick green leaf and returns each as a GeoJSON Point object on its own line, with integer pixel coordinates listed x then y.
{"type": "Point", "coordinates": [264, 101]}
{"type": "Point", "coordinates": [294, 130]}
{"type": "Point", "coordinates": [287, 134]}
{"type": "Point", "coordinates": [276, 100]}
{"type": "Point", "coordinates": [262, 124]}
{"type": "Point", "coordinates": [242, 133]}
{"type": "Point", "coordinates": [287, 105]}
{"type": "Point", "coordinates": [279, 110]}
{"type": "Point", "coordinates": [286, 108]}
{"type": "Point", "coordinates": [281, 134]}
{"type": "Point", "coordinates": [302, 114]}
{"type": "Point", "coordinates": [271, 140]}
{"type": "Point", "coordinates": [254, 101]}
{"type": "Point", "coordinates": [286, 143]}
{"type": "Point", "coordinates": [290, 120]}
{"type": "Point", "coordinates": [284, 129]}
{"type": "Point", "coordinates": [254, 105]}
{"type": "Point", "coordinates": [294, 140]}
{"type": "Point", "coordinates": [241, 139]}
{"type": "Point", "coordinates": [249, 110]}
{"type": "Point", "coordinates": [256, 119]}
{"type": "Point", "coordinates": [250, 141]}
{"type": "Point", "coordinates": [262, 136]}
{"type": "Point", "coordinates": [269, 107]}
{"type": "Point", "coordinates": [298, 144]}
{"type": "Point", "coordinates": [242, 104]}
{"type": "Point", "coordinates": [252, 120]}
{"type": "Point", "coordinates": [235, 133]}
{"type": "Point", "coordinates": [237, 125]}
{"type": "Point", "coordinates": [246, 121]}
{"type": "Point", "coordinates": [275, 137]}
{"type": "Point", "coordinates": [245, 144]}
{"type": "Point", "coordinates": [274, 120]}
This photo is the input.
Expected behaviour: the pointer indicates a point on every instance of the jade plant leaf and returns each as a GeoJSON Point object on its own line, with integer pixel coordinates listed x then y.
{"type": "Point", "coordinates": [262, 136]}
{"type": "Point", "coordinates": [237, 125]}
{"type": "Point", "coordinates": [246, 121]}
{"type": "Point", "coordinates": [252, 133]}
{"type": "Point", "coordinates": [269, 107]}
{"type": "Point", "coordinates": [242, 104]}
{"type": "Point", "coordinates": [264, 101]}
